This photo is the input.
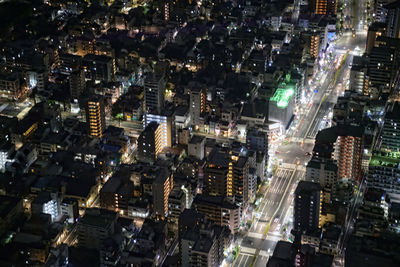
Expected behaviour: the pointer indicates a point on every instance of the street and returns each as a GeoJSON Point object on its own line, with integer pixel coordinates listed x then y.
{"type": "Point", "coordinates": [275, 211]}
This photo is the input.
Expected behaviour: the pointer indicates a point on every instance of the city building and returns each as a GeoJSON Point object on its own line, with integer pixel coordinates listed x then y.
{"type": "Point", "coordinates": [324, 172]}
{"type": "Point", "coordinates": [239, 174]}
{"type": "Point", "coordinates": [197, 103]}
{"type": "Point", "coordinates": [201, 242]}
{"type": "Point", "coordinates": [348, 153]}
{"type": "Point", "coordinates": [196, 147]}
{"type": "Point", "coordinates": [99, 67]}
{"type": "Point", "coordinates": [393, 19]}
{"type": "Point", "coordinates": [69, 208]}
{"type": "Point", "coordinates": [219, 211]}
{"type": "Point", "coordinates": [116, 194]}
{"type": "Point", "coordinates": [344, 144]}
{"type": "Point", "coordinates": [149, 142]}
{"type": "Point", "coordinates": [358, 77]}
{"type": "Point", "coordinates": [95, 226]}
{"type": "Point", "coordinates": [162, 187]}
{"type": "Point", "coordinates": [375, 30]}
{"type": "Point", "coordinates": [6, 150]}
{"type": "Point", "coordinates": [324, 7]}
{"type": "Point", "coordinates": [95, 116]}
{"type": "Point", "coordinates": [48, 203]}
{"type": "Point", "coordinates": [10, 86]}
{"type": "Point", "coordinates": [154, 86]}
{"type": "Point", "coordinates": [216, 181]}
{"type": "Point", "coordinates": [380, 68]}
{"type": "Point", "coordinates": [281, 105]}
{"type": "Point", "coordinates": [384, 171]}
{"type": "Point", "coordinates": [307, 206]}
{"type": "Point", "coordinates": [312, 43]}
{"type": "Point", "coordinates": [390, 137]}
{"type": "Point", "coordinates": [257, 140]}
{"type": "Point", "coordinates": [77, 83]}
{"type": "Point", "coordinates": [166, 123]}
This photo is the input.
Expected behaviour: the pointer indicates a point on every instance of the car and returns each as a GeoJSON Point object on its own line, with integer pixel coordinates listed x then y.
{"type": "Point", "coordinates": [307, 153]}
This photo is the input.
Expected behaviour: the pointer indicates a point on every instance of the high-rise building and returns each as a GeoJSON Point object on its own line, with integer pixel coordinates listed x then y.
{"type": "Point", "coordinates": [99, 67]}
{"type": "Point", "coordinates": [380, 10]}
{"type": "Point", "coordinates": [384, 171]}
{"type": "Point", "coordinates": [166, 123]}
{"type": "Point", "coordinates": [312, 41]}
{"type": "Point", "coordinates": [393, 19]}
{"type": "Point", "coordinates": [380, 68]}
{"type": "Point", "coordinates": [216, 181]}
{"type": "Point", "coordinates": [95, 117]}
{"type": "Point", "coordinates": [344, 144]}
{"type": "Point", "coordinates": [358, 76]}
{"type": "Point", "coordinates": [6, 150]}
{"type": "Point", "coordinates": [197, 102]}
{"type": "Point", "coordinates": [324, 172]}
{"type": "Point", "coordinates": [375, 30]}
{"type": "Point", "coordinates": [162, 186]}
{"type": "Point", "coordinates": [391, 129]}
{"type": "Point", "coordinates": [239, 173]}
{"type": "Point", "coordinates": [10, 86]}
{"type": "Point", "coordinates": [307, 206]}
{"type": "Point", "coordinates": [77, 83]}
{"type": "Point", "coordinates": [154, 86]}
{"type": "Point", "coordinates": [149, 142]}
{"type": "Point", "coordinates": [323, 7]}
{"type": "Point", "coordinates": [348, 152]}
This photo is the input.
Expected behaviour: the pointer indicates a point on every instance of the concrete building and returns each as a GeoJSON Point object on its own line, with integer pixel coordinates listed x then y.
{"type": "Point", "coordinates": [384, 171]}
{"type": "Point", "coordinates": [257, 140]}
{"type": "Point", "coordinates": [358, 76]}
{"type": "Point", "coordinates": [393, 19]}
{"type": "Point", "coordinates": [6, 150]}
{"type": "Point", "coordinates": [116, 194]}
{"type": "Point", "coordinates": [323, 7]}
{"type": "Point", "coordinates": [375, 30]}
{"type": "Point", "coordinates": [95, 116]}
{"type": "Point", "coordinates": [10, 86]}
{"type": "Point", "coordinates": [154, 86]}
{"type": "Point", "coordinates": [380, 68]}
{"type": "Point", "coordinates": [162, 187]}
{"type": "Point", "coordinates": [166, 123]}
{"type": "Point", "coordinates": [218, 210]}
{"type": "Point", "coordinates": [216, 182]}
{"type": "Point", "coordinates": [196, 147]}
{"type": "Point", "coordinates": [201, 242]}
{"type": "Point", "coordinates": [149, 142]}
{"type": "Point", "coordinates": [307, 206]}
{"type": "Point", "coordinates": [95, 226]}
{"type": "Point", "coordinates": [77, 83]}
{"type": "Point", "coordinates": [391, 129]}
{"type": "Point", "coordinates": [324, 172]}
{"type": "Point", "coordinates": [99, 67]}
{"type": "Point", "coordinates": [239, 173]}
{"type": "Point", "coordinates": [197, 103]}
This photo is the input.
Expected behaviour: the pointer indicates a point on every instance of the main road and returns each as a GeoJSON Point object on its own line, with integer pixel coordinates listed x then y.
{"type": "Point", "coordinates": [272, 220]}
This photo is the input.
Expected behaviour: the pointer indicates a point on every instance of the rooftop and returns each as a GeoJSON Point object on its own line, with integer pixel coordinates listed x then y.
{"type": "Point", "coordinates": [385, 159]}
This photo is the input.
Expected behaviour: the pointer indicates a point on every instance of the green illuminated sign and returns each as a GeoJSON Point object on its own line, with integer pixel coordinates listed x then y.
{"type": "Point", "coordinates": [282, 97]}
